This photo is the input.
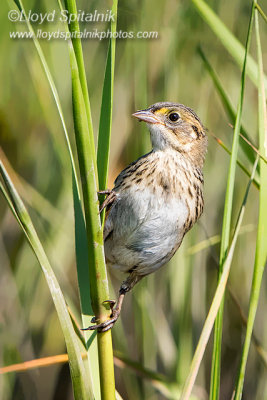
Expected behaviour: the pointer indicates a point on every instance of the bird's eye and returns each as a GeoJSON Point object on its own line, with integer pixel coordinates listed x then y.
{"type": "Point", "coordinates": [174, 116]}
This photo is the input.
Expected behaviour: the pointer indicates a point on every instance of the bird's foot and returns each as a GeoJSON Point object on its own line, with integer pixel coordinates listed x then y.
{"type": "Point", "coordinates": [106, 325]}
{"type": "Point", "coordinates": [107, 191]}
{"type": "Point", "coordinates": [111, 196]}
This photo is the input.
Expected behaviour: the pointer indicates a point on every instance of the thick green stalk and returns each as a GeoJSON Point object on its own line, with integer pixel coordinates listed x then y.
{"type": "Point", "coordinates": [97, 268]}
{"type": "Point", "coordinates": [88, 171]}
{"type": "Point", "coordinates": [261, 244]}
{"type": "Point", "coordinates": [216, 359]}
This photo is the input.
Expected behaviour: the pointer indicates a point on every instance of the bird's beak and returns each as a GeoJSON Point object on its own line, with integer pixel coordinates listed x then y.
{"type": "Point", "coordinates": [146, 116]}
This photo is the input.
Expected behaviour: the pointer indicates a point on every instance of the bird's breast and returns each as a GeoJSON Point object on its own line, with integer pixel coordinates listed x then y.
{"type": "Point", "coordinates": [147, 229]}
{"type": "Point", "coordinates": [155, 207]}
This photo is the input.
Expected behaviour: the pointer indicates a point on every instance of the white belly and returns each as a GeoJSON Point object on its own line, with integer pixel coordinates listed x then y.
{"type": "Point", "coordinates": [147, 230]}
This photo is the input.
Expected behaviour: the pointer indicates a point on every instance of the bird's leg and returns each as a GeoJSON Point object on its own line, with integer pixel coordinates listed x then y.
{"type": "Point", "coordinates": [111, 196]}
{"type": "Point", "coordinates": [126, 286]}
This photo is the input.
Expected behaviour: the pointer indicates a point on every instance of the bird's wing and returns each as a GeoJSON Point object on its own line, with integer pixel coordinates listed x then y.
{"type": "Point", "coordinates": [122, 179]}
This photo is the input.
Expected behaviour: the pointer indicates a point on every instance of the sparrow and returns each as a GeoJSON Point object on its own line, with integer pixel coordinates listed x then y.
{"type": "Point", "coordinates": [156, 199]}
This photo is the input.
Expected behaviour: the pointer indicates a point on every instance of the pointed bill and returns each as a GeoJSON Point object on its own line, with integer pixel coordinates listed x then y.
{"type": "Point", "coordinates": [146, 116]}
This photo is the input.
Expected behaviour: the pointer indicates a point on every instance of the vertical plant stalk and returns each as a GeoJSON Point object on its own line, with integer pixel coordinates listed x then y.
{"type": "Point", "coordinates": [261, 243]}
{"type": "Point", "coordinates": [88, 172]}
{"type": "Point", "coordinates": [216, 357]}
{"type": "Point", "coordinates": [105, 122]}
{"type": "Point", "coordinates": [97, 268]}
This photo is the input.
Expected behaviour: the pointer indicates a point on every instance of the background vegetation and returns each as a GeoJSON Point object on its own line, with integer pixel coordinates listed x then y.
{"type": "Point", "coordinates": [163, 317]}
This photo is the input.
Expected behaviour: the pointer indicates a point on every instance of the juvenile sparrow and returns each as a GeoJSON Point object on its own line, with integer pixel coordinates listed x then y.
{"type": "Point", "coordinates": [156, 199]}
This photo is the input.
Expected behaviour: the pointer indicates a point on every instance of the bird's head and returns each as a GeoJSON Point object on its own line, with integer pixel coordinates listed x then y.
{"type": "Point", "coordinates": [177, 127]}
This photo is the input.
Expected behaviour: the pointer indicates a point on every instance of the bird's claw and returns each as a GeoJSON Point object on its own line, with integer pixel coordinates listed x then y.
{"type": "Point", "coordinates": [111, 303]}
{"type": "Point", "coordinates": [108, 324]}
{"type": "Point", "coordinates": [115, 313]}
{"type": "Point", "coordinates": [104, 192]}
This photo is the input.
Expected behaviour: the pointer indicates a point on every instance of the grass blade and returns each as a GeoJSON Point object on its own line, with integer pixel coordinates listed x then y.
{"type": "Point", "coordinates": [264, 16]}
{"type": "Point", "coordinates": [50, 79]}
{"type": "Point", "coordinates": [37, 363]}
{"type": "Point", "coordinates": [229, 41]}
{"type": "Point", "coordinates": [81, 385]}
{"type": "Point", "coordinates": [77, 46]}
{"type": "Point", "coordinates": [106, 109]}
{"type": "Point", "coordinates": [217, 299]}
{"type": "Point", "coordinates": [241, 165]}
{"type": "Point", "coordinates": [254, 148]}
{"type": "Point", "coordinates": [261, 244]}
{"type": "Point", "coordinates": [105, 120]}
{"type": "Point", "coordinates": [227, 105]}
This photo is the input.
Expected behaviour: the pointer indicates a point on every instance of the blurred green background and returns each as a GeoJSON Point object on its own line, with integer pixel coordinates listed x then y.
{"type": "Point", "coordinates": [163, 316]}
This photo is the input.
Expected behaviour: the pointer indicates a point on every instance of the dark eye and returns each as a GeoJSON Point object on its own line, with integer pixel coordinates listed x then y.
{"type": "Point", "coordinates": [173, 117]}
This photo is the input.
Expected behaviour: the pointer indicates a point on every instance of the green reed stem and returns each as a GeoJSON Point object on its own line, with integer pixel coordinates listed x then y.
{"type": "Point", "coordinates": [87, 163]}
{"type": "Point", "coordinates": [97, 268]}
{"type": "Point", "coordinates": [216, 358]}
